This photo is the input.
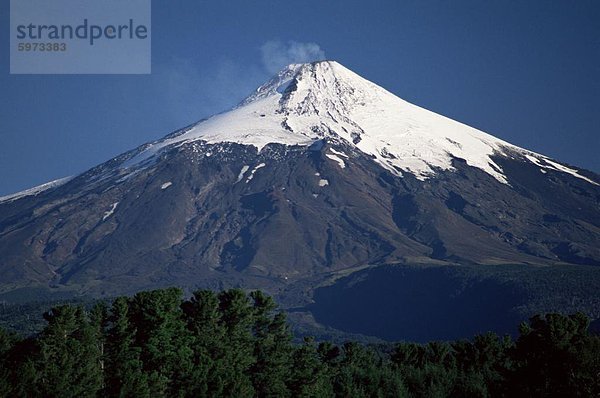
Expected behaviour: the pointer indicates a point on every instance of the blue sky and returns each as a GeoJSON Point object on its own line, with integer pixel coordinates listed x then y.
{"type": "Point", "coordinates": [526, 72]}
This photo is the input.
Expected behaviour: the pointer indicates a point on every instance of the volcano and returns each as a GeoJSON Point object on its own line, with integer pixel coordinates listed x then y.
{"type": "Point", "coordinates": [318, 175]}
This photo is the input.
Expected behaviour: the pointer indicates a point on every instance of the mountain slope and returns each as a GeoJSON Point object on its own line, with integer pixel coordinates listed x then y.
{"type": "Point", "coordinates": [316, 175]}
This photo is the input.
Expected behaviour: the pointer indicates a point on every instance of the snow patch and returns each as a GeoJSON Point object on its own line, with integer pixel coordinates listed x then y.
{"type": "Point", "coordinates": [323, 183]}
{"type": "Point", "coordinates": [338, 153]}
{"type": "Point", "coordinates": [129, 175]}
{"type": "Point", "coordinates": [110, 212]}
{"type": "Point", "coordinates": [545, 163]}
{"type": "Point", "coordinates": [242, 172]}
{"type": "Point", "coordinates": [166, 185]}
{"type": "Point", "coordinates": [337, 159]}
{"type": "Point", "coordinates": [251, 176]}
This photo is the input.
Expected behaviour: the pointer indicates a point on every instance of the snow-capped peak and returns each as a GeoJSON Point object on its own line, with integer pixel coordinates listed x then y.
{"type": "Point", "coordinates": [306, 102]}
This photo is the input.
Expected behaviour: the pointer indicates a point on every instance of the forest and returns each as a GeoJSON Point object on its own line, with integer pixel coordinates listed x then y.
{"type": "Point", "coordinates": [238, 344]}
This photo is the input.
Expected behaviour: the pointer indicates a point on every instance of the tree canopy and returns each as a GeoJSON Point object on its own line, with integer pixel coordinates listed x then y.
{"type": "Point", "coordinates": [237, 344]}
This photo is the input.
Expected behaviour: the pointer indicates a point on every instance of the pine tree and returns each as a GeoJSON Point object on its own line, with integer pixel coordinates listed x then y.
{"type": "Point", "coordinates": [483, 365]}
{"type": "Point", "coordinates": [7, 342]}
{"type": "Point", "coordinates": [272, 348]}
{"type": "Point", "coordinates": [310, 376]}
{"type": "Point", "coordinates": [123, 368]}
{"type": "Point", "coordinates": [69, 361]}
{"type": "Point", "coordinates": [162, 335]}
{"type": "Point", "coordinates": [237, 321]}
{"type": "Point", "coordinates": [556, 355]}
{"type": "Point", "coordinates": [427, 371]}
{"type": "Point", "coordinates": [361, 373]}
{"type": "Point", "coordinates": [20, 364]}
{"type": "Point", "coordinates": [208, 339]}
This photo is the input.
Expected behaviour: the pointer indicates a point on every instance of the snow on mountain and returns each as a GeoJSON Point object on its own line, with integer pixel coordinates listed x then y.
{"type": "Point", "coordinates": [35, 190]}
{"type": "Point", "coordinates": [307, 102]}
{"type": "Point", "coordinates": [546, 163]}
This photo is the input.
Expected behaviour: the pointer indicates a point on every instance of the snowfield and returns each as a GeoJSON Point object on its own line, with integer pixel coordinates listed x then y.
{"type": "Point", "coordinates": [308, 102]}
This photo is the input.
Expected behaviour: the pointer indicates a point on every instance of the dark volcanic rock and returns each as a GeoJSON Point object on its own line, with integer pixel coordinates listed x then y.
{"type": "Point", "coordinates": [284, 214]}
